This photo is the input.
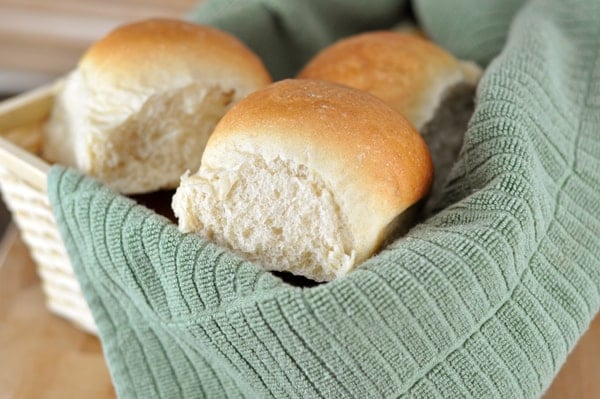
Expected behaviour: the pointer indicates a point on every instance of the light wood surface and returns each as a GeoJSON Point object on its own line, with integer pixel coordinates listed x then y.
{"type": "Point", "coordinates": [579, 378]}
{"type": "Point", "coordinates": [43, 356]}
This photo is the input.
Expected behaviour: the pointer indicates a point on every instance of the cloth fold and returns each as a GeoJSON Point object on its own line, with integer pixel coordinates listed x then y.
{"type": "Point", "coordinates": [483, 300]}
{"type": "Point", "coordinates": [286, 33]}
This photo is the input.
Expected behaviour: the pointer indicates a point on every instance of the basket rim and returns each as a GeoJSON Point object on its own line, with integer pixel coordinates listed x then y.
{"type": "Point", "coordinates": [13, 158]}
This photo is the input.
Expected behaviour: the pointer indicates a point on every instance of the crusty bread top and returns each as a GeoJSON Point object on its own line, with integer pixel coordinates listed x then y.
{"type": "Point", "coordinates": [373, 161]}
{"type": "Point", "coordinates": [407, 71]}
{"type": "Point", "coordinates": [152, 53]}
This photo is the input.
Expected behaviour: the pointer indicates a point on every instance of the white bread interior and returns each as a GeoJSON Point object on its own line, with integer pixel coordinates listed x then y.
{"type": "Point", "coordinates": [306, 177]}
{"type": "Point", "coordinates": [140, 106]}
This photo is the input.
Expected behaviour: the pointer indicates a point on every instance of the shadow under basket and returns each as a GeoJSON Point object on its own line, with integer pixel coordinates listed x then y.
{"type": "Point", "coordinates": [23, 182]}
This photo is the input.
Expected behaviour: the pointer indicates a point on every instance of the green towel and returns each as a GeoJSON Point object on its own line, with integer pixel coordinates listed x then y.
{"type": "Point", "coordinates": [483, 300]}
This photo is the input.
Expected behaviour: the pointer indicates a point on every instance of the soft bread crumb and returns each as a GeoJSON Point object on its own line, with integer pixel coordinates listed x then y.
{"type": "Point", "coordinates": [274, 212]}
{"type": "Point", "coordinates": [150, 147]}
{"type": "Point", "coordinates": [168, 134]}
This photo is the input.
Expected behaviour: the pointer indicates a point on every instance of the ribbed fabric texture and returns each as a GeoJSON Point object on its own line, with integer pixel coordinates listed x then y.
{"type": "Point", "coordinates": [483, 300]}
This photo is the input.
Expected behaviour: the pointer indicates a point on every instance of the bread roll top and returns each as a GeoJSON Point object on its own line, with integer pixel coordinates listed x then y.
{"type": "Point", "coordinates": [408, 72]}
{"type": "Point", "coordinates": [160, 54]}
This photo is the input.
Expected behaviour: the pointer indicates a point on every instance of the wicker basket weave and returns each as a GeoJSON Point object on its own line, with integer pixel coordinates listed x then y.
{"type": "Point", "coordinates": [23, 181]}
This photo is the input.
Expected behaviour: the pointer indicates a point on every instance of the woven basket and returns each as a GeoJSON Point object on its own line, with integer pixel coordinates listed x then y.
{"type": "Point", "coordinates": [23, 181]}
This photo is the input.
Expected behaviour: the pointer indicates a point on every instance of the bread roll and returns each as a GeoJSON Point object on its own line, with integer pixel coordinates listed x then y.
{"type": "Point", "coordinates": [423, 82]}
{"type": "Point", "coordinates": [411, 74]}
{"type": "Point", "coordinates": [139, 107]}
{"type": "Point", "coordinates": [305, 176]}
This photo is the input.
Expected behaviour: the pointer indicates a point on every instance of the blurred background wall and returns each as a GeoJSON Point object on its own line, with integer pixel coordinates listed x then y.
{"type": "Point", "coordinates": [42, 39]}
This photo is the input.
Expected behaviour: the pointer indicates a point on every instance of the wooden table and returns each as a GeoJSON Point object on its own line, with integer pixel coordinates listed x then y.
{"type": "Point", "coordinates": [43, 356]}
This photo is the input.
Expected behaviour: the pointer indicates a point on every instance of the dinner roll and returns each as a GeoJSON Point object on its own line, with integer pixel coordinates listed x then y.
{"type": "Point", "coordinates": [410, 73]}
{"type": "Point", "coordinates": [139, 107]}
{"type": "Point", "coordinates": [417, 78]}
{"type": "Point", "coordinates": [305, 176]}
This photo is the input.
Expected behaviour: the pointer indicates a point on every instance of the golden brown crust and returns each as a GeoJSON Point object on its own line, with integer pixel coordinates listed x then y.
{"type": "Point", "coordinates": [374, 161]}
{"type": "Point", "coordinates": [404, 70]}
{"type": "Point", "coordinates": [160, 47]}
